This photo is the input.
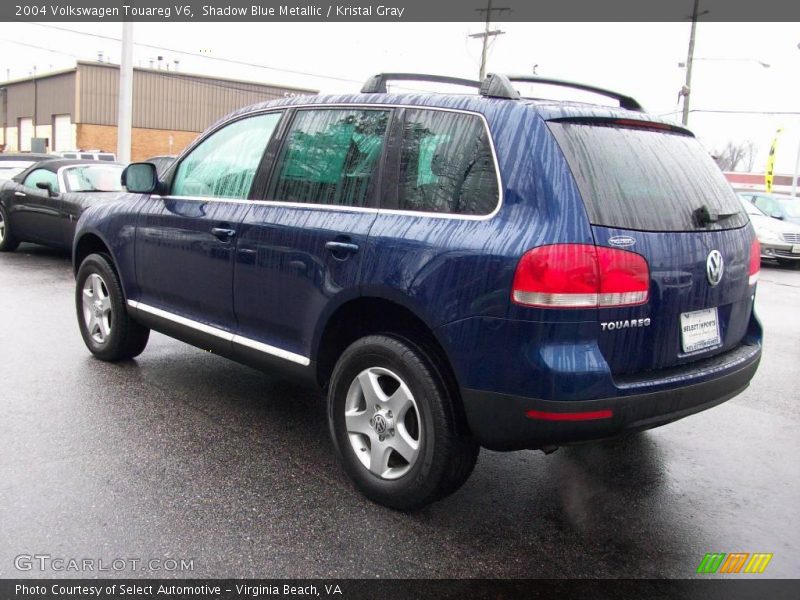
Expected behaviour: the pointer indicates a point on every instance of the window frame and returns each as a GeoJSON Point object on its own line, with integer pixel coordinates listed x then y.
{"type": "Point", "coordinates": [264, 174]}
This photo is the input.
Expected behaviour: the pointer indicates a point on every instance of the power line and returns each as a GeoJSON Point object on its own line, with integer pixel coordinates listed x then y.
{"type": "Point", "coordinates": [40, 48]}
{"type": "Point", "coordinates": [734, 112]}
{"type": "Point", "coordinates": [170, 74]}
{"type": "Point", "coordinates": [197, 54]}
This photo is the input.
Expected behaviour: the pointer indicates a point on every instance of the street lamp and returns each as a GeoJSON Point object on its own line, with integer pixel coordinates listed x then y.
{"type": "Point", "coordinates": [796, 162]}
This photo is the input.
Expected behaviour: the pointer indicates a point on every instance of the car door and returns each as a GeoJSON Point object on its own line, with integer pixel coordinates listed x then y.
{"type": "Point", "coordinates": [300, 251]}
{"type": "Point", "coordinates": [35, 214]}
{"type": "Point", "coordinates": [185, 240]}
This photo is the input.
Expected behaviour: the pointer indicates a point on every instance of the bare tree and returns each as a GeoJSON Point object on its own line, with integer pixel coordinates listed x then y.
{"type": "Point", "coordinates": [735, 155]}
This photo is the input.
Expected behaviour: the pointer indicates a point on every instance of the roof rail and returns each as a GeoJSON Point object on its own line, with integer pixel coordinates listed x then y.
{"type": "Point", "coordinates": [495, 85]}
{"type": "Point", "coordinates": [624, 101]}
{"type": "Point", "coordinates": [377, 83]}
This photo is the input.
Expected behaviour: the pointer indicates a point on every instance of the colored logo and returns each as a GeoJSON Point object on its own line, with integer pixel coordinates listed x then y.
{"type": "Point", "coordinates": [736, 562]}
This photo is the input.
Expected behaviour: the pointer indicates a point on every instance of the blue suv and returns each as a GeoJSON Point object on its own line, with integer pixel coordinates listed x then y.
{"type": "Point", "coordinates": [456, 271]}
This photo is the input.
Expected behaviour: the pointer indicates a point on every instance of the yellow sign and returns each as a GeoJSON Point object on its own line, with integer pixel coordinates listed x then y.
{"type": "Point", "coordinates": [770, 172]}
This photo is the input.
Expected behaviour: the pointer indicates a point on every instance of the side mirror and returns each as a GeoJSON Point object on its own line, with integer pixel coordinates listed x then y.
{"type": "Point", "coordinates": [140, 178]}
{"type": "Point", "coordinates": [46, 185]}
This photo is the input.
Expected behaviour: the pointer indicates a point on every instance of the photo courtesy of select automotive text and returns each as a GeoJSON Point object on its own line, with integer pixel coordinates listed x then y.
{"type": "Point", "coordinates": [430, 299]}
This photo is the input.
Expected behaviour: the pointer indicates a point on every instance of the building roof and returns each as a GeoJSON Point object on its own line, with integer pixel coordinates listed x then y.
{"type": "Point", "coordinates": [164, 72]}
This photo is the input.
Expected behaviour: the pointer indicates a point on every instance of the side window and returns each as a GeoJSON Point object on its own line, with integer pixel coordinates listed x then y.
{"type": "Point", "coordinates": [446, 164]}
{"type": "Point", "coordinates": [224, 164]}
{"type": "Point", "coordinates": [41, 176]}
{"type": "Point", "coordinates": [330, 157]}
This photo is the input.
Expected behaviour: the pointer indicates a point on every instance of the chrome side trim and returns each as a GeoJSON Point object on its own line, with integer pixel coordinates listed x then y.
{"type": "Point", "coordinates": [221, 333]}
{"type": "Point", "coordinates": [267, 349]}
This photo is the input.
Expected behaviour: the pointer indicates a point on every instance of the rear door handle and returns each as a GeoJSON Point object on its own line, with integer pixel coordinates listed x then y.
{"type": "Point", "coordinates": [341, 247]}
{"type": "Point", "coordinates": [21, 194]}
{"type": "Point", "coordinates": [223, 233]}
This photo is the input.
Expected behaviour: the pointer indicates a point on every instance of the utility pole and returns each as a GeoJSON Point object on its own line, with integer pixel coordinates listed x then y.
{"type": "Point", "coordinates": [687, 87]}
{"type": "Point", "coordinates": [487, 33]}
{"type": "Point", "coordinates": [35, 100]}
{"type": "Point", "coordinates": [125, 110]}
{"type": "Point", "coordinates": [796, 163]}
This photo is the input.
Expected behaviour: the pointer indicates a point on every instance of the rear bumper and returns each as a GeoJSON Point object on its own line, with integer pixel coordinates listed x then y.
{"type": "Point", "coordinates": [500, 421]}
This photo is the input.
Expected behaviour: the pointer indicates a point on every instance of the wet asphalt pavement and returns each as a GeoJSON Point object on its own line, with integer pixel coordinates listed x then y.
{"type": "Point", "coordinates": [182, 454]}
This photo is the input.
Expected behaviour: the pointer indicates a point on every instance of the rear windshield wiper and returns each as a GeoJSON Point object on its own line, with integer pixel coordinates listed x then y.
{"type": "Point", "coordinates": [705, 217]}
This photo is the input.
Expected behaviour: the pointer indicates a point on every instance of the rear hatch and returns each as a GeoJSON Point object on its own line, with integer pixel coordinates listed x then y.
{"type": "Point", "coordinates": [652, 189]}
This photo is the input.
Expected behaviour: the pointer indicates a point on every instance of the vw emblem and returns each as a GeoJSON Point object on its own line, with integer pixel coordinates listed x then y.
{"type": "Point", "coordinates": [715, 266]}
{"type": "Point", "coordinates": [379, 423]}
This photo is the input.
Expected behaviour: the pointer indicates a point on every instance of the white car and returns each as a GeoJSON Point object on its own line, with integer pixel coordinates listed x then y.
{"type": "Point", "coordinates": [779, 240]}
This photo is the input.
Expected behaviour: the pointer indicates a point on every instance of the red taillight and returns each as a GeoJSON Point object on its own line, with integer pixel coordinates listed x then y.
{"type": "Point", "coordinates": [635, 123]}
{"type": "Point", "coordinates": [580, 276]}
{"type": "Point", "coordinates": [755, 261]}
{"type": "Point", "coordinates": [593, 415]}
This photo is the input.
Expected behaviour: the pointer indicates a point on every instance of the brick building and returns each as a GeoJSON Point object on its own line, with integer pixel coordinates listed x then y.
{"type": "Point", "coordinates": [77, 108]}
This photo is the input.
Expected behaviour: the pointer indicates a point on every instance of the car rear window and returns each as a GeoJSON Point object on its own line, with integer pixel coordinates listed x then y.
{"type": "Point", "coordinates": [646, 180]}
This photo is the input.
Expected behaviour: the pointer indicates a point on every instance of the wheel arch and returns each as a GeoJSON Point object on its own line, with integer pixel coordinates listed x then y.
{"type": "Point", "coordinates": [90, 242]}
{"type": "Point", "coordinates": [367, 315]}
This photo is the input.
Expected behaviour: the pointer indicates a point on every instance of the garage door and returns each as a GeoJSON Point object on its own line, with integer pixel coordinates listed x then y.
{"type": "Point", "coordinates": [62, 133]}
{"type": "Point", "coordinates": [25, 134]}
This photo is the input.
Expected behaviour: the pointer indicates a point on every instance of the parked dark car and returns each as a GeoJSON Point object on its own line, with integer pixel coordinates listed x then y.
{"type": "Point", "coordinates": [42, 203]}
{"type": "Point", "coordinates": [14, 163]}
{"type": "Point", "coordinates": [456, 271]}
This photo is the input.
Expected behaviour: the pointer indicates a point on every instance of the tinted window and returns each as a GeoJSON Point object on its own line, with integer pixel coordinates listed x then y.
{"type": "Point", "coordinates": [646, 180]}
{"type": "Point", "coordinates": [87, 156]}
{"type": "Point", "coordinates": [446, 164]}
{"type": "Point", "coordinates": [108, 157]}
{"type": "Point", "coordinates": [330, 157]}
{"type": "Point", "coordinates": [225, 163]}
{"type": "Point", "coordinates": [41, 176]}
{"type": "Point", "coordinates": [94, 178]}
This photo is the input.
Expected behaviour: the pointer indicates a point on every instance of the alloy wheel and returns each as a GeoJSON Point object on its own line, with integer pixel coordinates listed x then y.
{"type": "Point", "coordinates": [96, 308]}
{"type": "Point", "coordinates": [383, 423]}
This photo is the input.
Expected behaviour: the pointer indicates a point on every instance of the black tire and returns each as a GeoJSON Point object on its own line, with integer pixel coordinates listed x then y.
{"type": "Point", "coordinates": [122, 337]}
{"type": "Point", "coordinates": [8, 243]}
{"type": "Point", "coordinates": [447, 452]}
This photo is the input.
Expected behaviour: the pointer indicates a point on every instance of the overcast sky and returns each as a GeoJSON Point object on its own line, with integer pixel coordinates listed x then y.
{"type": "Point", "coordinates": [639, 59]}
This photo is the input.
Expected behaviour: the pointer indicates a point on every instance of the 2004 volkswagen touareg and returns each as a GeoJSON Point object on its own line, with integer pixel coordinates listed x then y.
{"type": "Point", "coordinates": [456, 270]}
